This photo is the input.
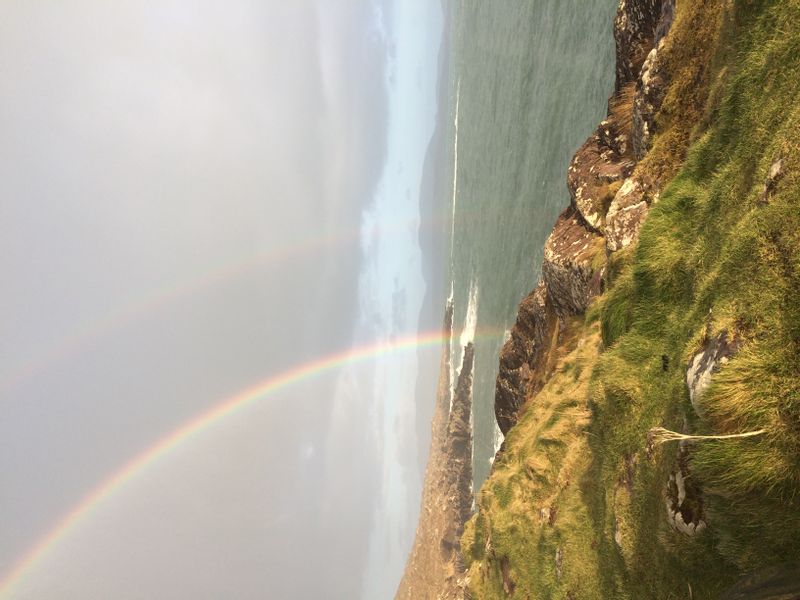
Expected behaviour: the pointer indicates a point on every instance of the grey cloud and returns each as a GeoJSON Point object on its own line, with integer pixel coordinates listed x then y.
{"type": "Point", "coordinates": [147, 144]}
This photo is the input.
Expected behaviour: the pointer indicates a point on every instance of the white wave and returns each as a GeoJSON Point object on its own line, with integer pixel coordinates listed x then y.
{"type": "Point", "coordinates": [467, 336]}
{"type": "Point", "coordinates": [450, 365]}
{"type": "Point", "coordinates": [498, 438]}
{"type": "Point", "coordinates": [453, 369]}
{"type": "Point", "coordinates": [471, 318]}
{"type": "Point", "coordinates": [455, 175]}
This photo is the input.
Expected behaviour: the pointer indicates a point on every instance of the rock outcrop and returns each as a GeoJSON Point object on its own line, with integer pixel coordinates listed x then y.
{"type": "Point", "coordinates": [771, 182]}
{"type": "Point", "coordinates": [684, 499]}
{"type": "Point", "coordinates": [695, 342]}
{"type": "Point", "coordinates": [716, 352]}
{"type": "Point", "coordinates": [435, 568]}
{"type": "Point", "coordinates": [609, 202]}
{"type": "Point", "coordinates": [459, 448]}
{"type": "Point", "coordinates": [626, 214]}
{"type": "Point", "coordinates": [648, 97]}
{"type": "Point", "coordinates": [597, 171]}
{"type": "Point", "coordinates": [569, 270]}
{"type": "Point", "coordinates": [536, 323]}
{"type": "Point", "coordinates": [634, 33]}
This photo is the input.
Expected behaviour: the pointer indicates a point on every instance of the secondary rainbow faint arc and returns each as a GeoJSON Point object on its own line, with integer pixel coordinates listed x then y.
{"type": "Point", "coordinates": [199, 424]}
{"type": "Point", "coordinates": [128, 313]}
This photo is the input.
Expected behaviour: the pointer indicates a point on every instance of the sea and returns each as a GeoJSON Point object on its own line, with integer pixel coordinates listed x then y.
{"type": "Point", "coordinates": [528, 82]}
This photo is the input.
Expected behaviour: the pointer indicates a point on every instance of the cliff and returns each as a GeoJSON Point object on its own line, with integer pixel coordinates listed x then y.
{"type": "Point", "coordinates": [669, 300]}
{"type": "Point", "coordinates": [433, 235]}
{"type": "Point", "coordinates": [435, 567]}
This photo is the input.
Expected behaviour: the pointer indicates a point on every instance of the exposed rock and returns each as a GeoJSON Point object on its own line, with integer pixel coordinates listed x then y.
{"type": "Point", "coordinates": [773, 177]}
{"type": "Point", "coordinates": [651, 87]}
{"type": "Point", "coordinates": [604, 201]}
{"type": "Point", "coordinates": [684, 502]}
{"type": "Point", "coordinates": [665, 20]}
{"type": "Point", "coordinates": [634, 32]}
{"type": "Point", "coordinates": [530, 337]}
{"type": "Point", "coordinates": [567, 269]}
{"type": "Point", "coordinates": [459, 438]}
{"type": "Point", "coordinates": [626, 215]}
{"type": "Point", "coordinates": [595, 173]}
{"type": "Point", "coordinates": [435, 568]}
{"type": "Point", "coordinates": [716, 352]}
{"type": "Point", "coordinates": [612, 135]}
{"type": "Point", "coordinates": [609, 156]}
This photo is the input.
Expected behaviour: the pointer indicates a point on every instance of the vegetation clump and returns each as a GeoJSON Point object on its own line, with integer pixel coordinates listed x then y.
{"type": "Point", "coordinates": [577, 507]}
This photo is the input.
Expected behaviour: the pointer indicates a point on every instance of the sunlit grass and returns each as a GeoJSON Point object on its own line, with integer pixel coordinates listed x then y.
{"type": "Point", "coordinates": [712, 257]}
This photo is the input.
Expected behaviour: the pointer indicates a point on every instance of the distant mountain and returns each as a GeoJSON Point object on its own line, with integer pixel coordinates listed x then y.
{"type": "Point", "coordinates": [434, 233]}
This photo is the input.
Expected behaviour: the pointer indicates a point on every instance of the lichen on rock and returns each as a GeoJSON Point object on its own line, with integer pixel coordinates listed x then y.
{"type": "Point", "coordinates": [634, 33]}
{"type": "Point", "coordinates": [536, 322]}
{"type": "Point", "coordinates": [684, 499]}
{"type": "Point", "coordinates": [626, 214]}
{"type": "Point", "coordinates": [715, 353]}
{"type": "Point", "coordinates": [568, 268]}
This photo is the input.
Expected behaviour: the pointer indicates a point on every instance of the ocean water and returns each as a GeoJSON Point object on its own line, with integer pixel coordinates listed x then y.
{"type": "Point", "coordinates": [529, 82]}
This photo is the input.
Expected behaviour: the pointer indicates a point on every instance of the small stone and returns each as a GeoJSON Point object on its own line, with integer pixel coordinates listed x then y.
{"type": "Point", "coordinates": [773, 177]}
{"type": "Point", "coordinates": [716, 353]}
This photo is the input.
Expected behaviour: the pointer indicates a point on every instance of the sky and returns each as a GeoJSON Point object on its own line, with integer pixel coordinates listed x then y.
{"type": "Point", "coordinates": [195, 198]}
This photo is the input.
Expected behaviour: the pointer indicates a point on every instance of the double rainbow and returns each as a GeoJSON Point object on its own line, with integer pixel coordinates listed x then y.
{"type": "Point", "coordinates": [195, 428]}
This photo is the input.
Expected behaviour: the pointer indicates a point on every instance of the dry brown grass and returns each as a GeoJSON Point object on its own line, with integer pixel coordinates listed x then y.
{"type": "Point", "coordinates": [691, 55]}
{"type": "Point", "coordinates": [531, 499]}
{"type": "Point", "coordinates": [620, 111]}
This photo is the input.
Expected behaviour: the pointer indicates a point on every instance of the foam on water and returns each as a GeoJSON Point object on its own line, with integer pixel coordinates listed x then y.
{"type": "Point", "coordinates": [497, 438]}
{"type": "Point", "coordinates": [455, 180]}
{"type": "Point", "coordinates": [451, 367]}
{"type": "Point", "coordinates": [471, 318]}
{"type": "Point", "coordinates": [535, 77]}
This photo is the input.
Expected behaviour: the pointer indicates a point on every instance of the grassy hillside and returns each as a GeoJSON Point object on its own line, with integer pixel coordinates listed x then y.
{"type": "Point", "coordinates": [575, 508]}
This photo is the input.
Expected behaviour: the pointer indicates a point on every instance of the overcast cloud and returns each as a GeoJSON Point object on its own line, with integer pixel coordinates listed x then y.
{"type": "Point", "coordinates": [183, 190]}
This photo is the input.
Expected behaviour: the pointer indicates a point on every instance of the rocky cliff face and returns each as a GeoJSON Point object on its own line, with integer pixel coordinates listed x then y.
{"type": "Point", "coordinates": [635, 29]}
{"type": "Point", "coordinates": [536, 324]}
{"type": "Point", "coordinates": [609, 203]}
{"type": "Point", "coordinates": [668, 305]}
{"type": "Point", "coordinates": [435, 567]}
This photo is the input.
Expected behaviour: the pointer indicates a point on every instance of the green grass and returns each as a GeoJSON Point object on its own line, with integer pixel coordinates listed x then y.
{"type": "Point", "coordinates": [531, 506]}
{"type": "Point", "coordinates": [711, 258]}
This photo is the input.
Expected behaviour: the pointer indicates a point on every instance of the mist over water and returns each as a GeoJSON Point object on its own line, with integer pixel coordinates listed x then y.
{"type": "Point", "coordinates": [184, 189]}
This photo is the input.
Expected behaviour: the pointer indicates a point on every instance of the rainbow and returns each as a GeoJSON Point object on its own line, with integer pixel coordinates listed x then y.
{"type": "Point", "coordinates": [84, 336]}
{"type": "Point", "coordinates": [194, 428]}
